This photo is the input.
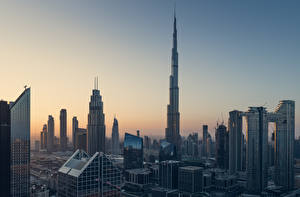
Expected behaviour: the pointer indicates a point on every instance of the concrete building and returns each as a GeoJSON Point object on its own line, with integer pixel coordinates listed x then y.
{"type": "Point", "coordinates": [168, 174]}
{"type": "Point", "coordinates": [190, 179]}
{"type": "Point", "coordinates": [63, 130]}
{"type": "Point", "coordinates": [50, 138]}
{"type": "Point", "coordinates": [235, 124]}
{"type": "Point", "coordinates": [96, 123]}
{"type": "Point", "coordinates": [20, 145]}
{"type": "Point", "coordinates": [83, 175]}
{"type": "Point", "coordinates": [74, 129]}
{"type": "Point", "coordinates": [115, 138]}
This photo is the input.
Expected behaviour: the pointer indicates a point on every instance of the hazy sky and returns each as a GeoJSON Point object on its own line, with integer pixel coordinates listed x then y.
{"type": "Point", "coordinates": [232, 54]}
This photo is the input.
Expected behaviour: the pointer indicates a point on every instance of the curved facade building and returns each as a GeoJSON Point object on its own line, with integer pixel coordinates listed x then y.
{"type": "Point", "coordinates": [20, 145]}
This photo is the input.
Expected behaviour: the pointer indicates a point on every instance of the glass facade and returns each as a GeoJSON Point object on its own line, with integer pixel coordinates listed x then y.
{"type": "Point", "coordinates": [167, 151]}
{"type": "Point", "coordinates": [20, 145]}
{"type": "Point", "coordinates": [83, 176]}
{"type": "Point", "coordinates": [4, 149]}
{"type": "Point", "coordinates": [133, 151]}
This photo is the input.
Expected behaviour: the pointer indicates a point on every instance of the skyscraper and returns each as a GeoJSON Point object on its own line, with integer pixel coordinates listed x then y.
{"type": "Point", "coordinates": [81, 139]}
{"type": "Point", "coordinates": [20, 145]}
{"type": "Point", "coordinates": [204, 140]}
{"type": "Point", "coordinates": [168, 174]}
{"type": "Point", "coordinates": [44, 137]}
{"type": "Point", "coordinates": [221, 149]}
{"type": "Point", "coordinates": [96, 123]}
{"type": "Point", "coordinates": [173, 116]}
{"type": "Point", "coordinates": [74, 129]}
{"type": "Point", "coordinates": [257, 149]}
{"type": "Point", "coordinates": [50, 138]}
{"type": "Point", "coordinates": [235, 124]}
{"type": "Point", "coordinates": [63, 129]}
{"type": "Point", "coordinates": [115, 138]}
{"type": "Point", "coordinates": [284, 144]}
{"type": "Point", "coordinates": [4, 148]}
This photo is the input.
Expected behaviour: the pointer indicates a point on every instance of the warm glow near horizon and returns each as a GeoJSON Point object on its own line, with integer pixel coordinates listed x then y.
{"type": "Point", "coordinates": [228, 59]}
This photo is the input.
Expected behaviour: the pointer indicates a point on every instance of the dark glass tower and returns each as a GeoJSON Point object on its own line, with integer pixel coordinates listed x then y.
{"type": "Point", "coordinates": [4, 149]}
{"type": "Point", "coordinates": [173, 116]}
{"type": "Point", "coordinates": [133, 151]}
{"type": "Point", "coordinates": [63, 129]}
{"type": "Point", "coordinates": [20, 145]}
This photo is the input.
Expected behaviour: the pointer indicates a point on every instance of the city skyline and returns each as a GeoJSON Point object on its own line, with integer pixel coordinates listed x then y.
{"type": "Point", "coordinates": [61, 72]}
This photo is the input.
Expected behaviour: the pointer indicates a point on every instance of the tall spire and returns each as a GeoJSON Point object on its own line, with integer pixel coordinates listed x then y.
{"type": "Point", "coordinates": [174, 32]}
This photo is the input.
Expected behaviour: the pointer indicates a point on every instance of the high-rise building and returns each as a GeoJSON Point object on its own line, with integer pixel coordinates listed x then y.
{"type": "Point", "coordinates": [190, 179]}
{"type": "Point", "coordinates": [147, 142]}
{"type": "Point", "coordinates": [284, 144]}
{"type": "Point", "coordinates": [204, 140]}
{"type": "Point", "coordinates": [221, 147]}
{"type": "Point", "coordinates": [37, 145]}
{"type": "Point", "coordinates": [168, 174]}
{"type": "Point", "coordinates": [20, 145]}
{"type": "Point", "coordinates": [50, 138]}
{"type": "Point", "coordinates": [133, 152]}
{"type": "Point", "coordinates": [96, 123]}
{"type": "Point", "coordinates": [81, 139]}
{"type": "Point", "coordinates": [257, 149]}
{"type": "Point", "coordinates": [4, 148]}
{"type": "Point", "coordinates": [74, 129]}
{"type": "Point", "coordinates": [84, 175]}
{"type": "Point", "coordinates": [167, 151]}
{"type": "Point", "coordinates": [44, 137]}
{"type": "Point", "coordinates": [235, 124]}
{"type": "Point", "coordinates": [115, 138]}
{"type": "Point", "coordinates": [173, 117]}
{"type": "Point", "coordinates": [63, 129]}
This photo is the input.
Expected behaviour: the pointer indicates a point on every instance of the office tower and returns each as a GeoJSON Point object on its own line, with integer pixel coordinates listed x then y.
{"type": "Point", "coordinates": [42, 138]}
{"type": "Point", "coordinates": [63, 129]}
{"type": "Point", "coordinates": [190, 179]}
{"type": "Point", "coordinates": [235, 124]}
{"type": "Point", "coordinates": [168, 174]}
{"type": "Point", "coordinates": [45, 135]}
{"type": "Point", "coordinates": [84, 175]}
{"type": "Point", "coordinates": [74, 129]}
{"type": "Point", "coordinates": [20, 145]}
{"type": "Point", "coordinates": [96, 123]}
{"type": "Point", "coordinates": [115, 138]}
{"type": "Point", "coordinates": [173, 117]}
{"type": "Point", "coordinates": [147, 142]}
{"type": "Point", "coordinates": [167, 151]}
{"type": "Point", "coordinates": [133, 152]}
{"type": "Point", "coordinates": [37, 145]}
{"type": "Point", "coordinates": [209, 145]}
{"type": "Point", "coordinates": [284, 144]}
{"type": "Point", "coordinates": [4, 148]}
{"type": "Point", "coordinates": [257, 149]}
{"type": "Point", "coordinates": [221, 147]}
{"type": "Point", "coordinates": [50, 138]}
{"type": "Point", "coordinates": [81, 139]}
{"type": "Point", "coordinates": [204, 140]}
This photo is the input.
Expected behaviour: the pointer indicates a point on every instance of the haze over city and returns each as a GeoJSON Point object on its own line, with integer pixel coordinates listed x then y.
{"type": "Point", "coordinates": [232, 55]}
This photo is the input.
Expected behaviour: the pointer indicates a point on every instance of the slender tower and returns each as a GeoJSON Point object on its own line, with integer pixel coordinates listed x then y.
{"type": "Point", "coordinates": [115, 138]}
{"type": "Point", "coordinates": [173, 116]}
{"type": "Point", "coordinates": [96, 123]}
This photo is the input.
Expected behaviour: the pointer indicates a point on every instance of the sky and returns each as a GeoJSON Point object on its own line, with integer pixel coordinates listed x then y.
{"type": "Point", "coordinates": [232, 54]}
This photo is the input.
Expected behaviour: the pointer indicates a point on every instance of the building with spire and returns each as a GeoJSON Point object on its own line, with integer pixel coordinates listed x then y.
{"type": "Point", "coordinates": [115, 138]}
{"type": "Point", "coordinates": [173, 117]}
{"type": "Point", "coordinates": [96, 122]}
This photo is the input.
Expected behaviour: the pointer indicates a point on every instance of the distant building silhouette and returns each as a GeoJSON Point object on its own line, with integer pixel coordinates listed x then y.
{"type": "Point", "coordinates": [221, 146]}
{"type": "Point", "coordinates": [5, 148]}
{"type": "Point", "coordinates": [172, 134]}
{"type": "Point", "coordinates": [20, 145]}
{"type": "Point", "coordinates": [50, 138]}
{"type": "Point", "coordinates": [96, 123]}
{"type": "Point", "coordinates": [44, 137]}
{"type": "Point", "coordinates": [167, 151]}
{"type": "Point", "coordinates": [74, 129]}
{"type": "Point", "coordinates": [63, 130]}
{"type": "Point", "coordinates": [81, 139]}
{"type": "Point", "coordinates": [115, 138]}
{"type": "Point", "coordinates": [204, 140]}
